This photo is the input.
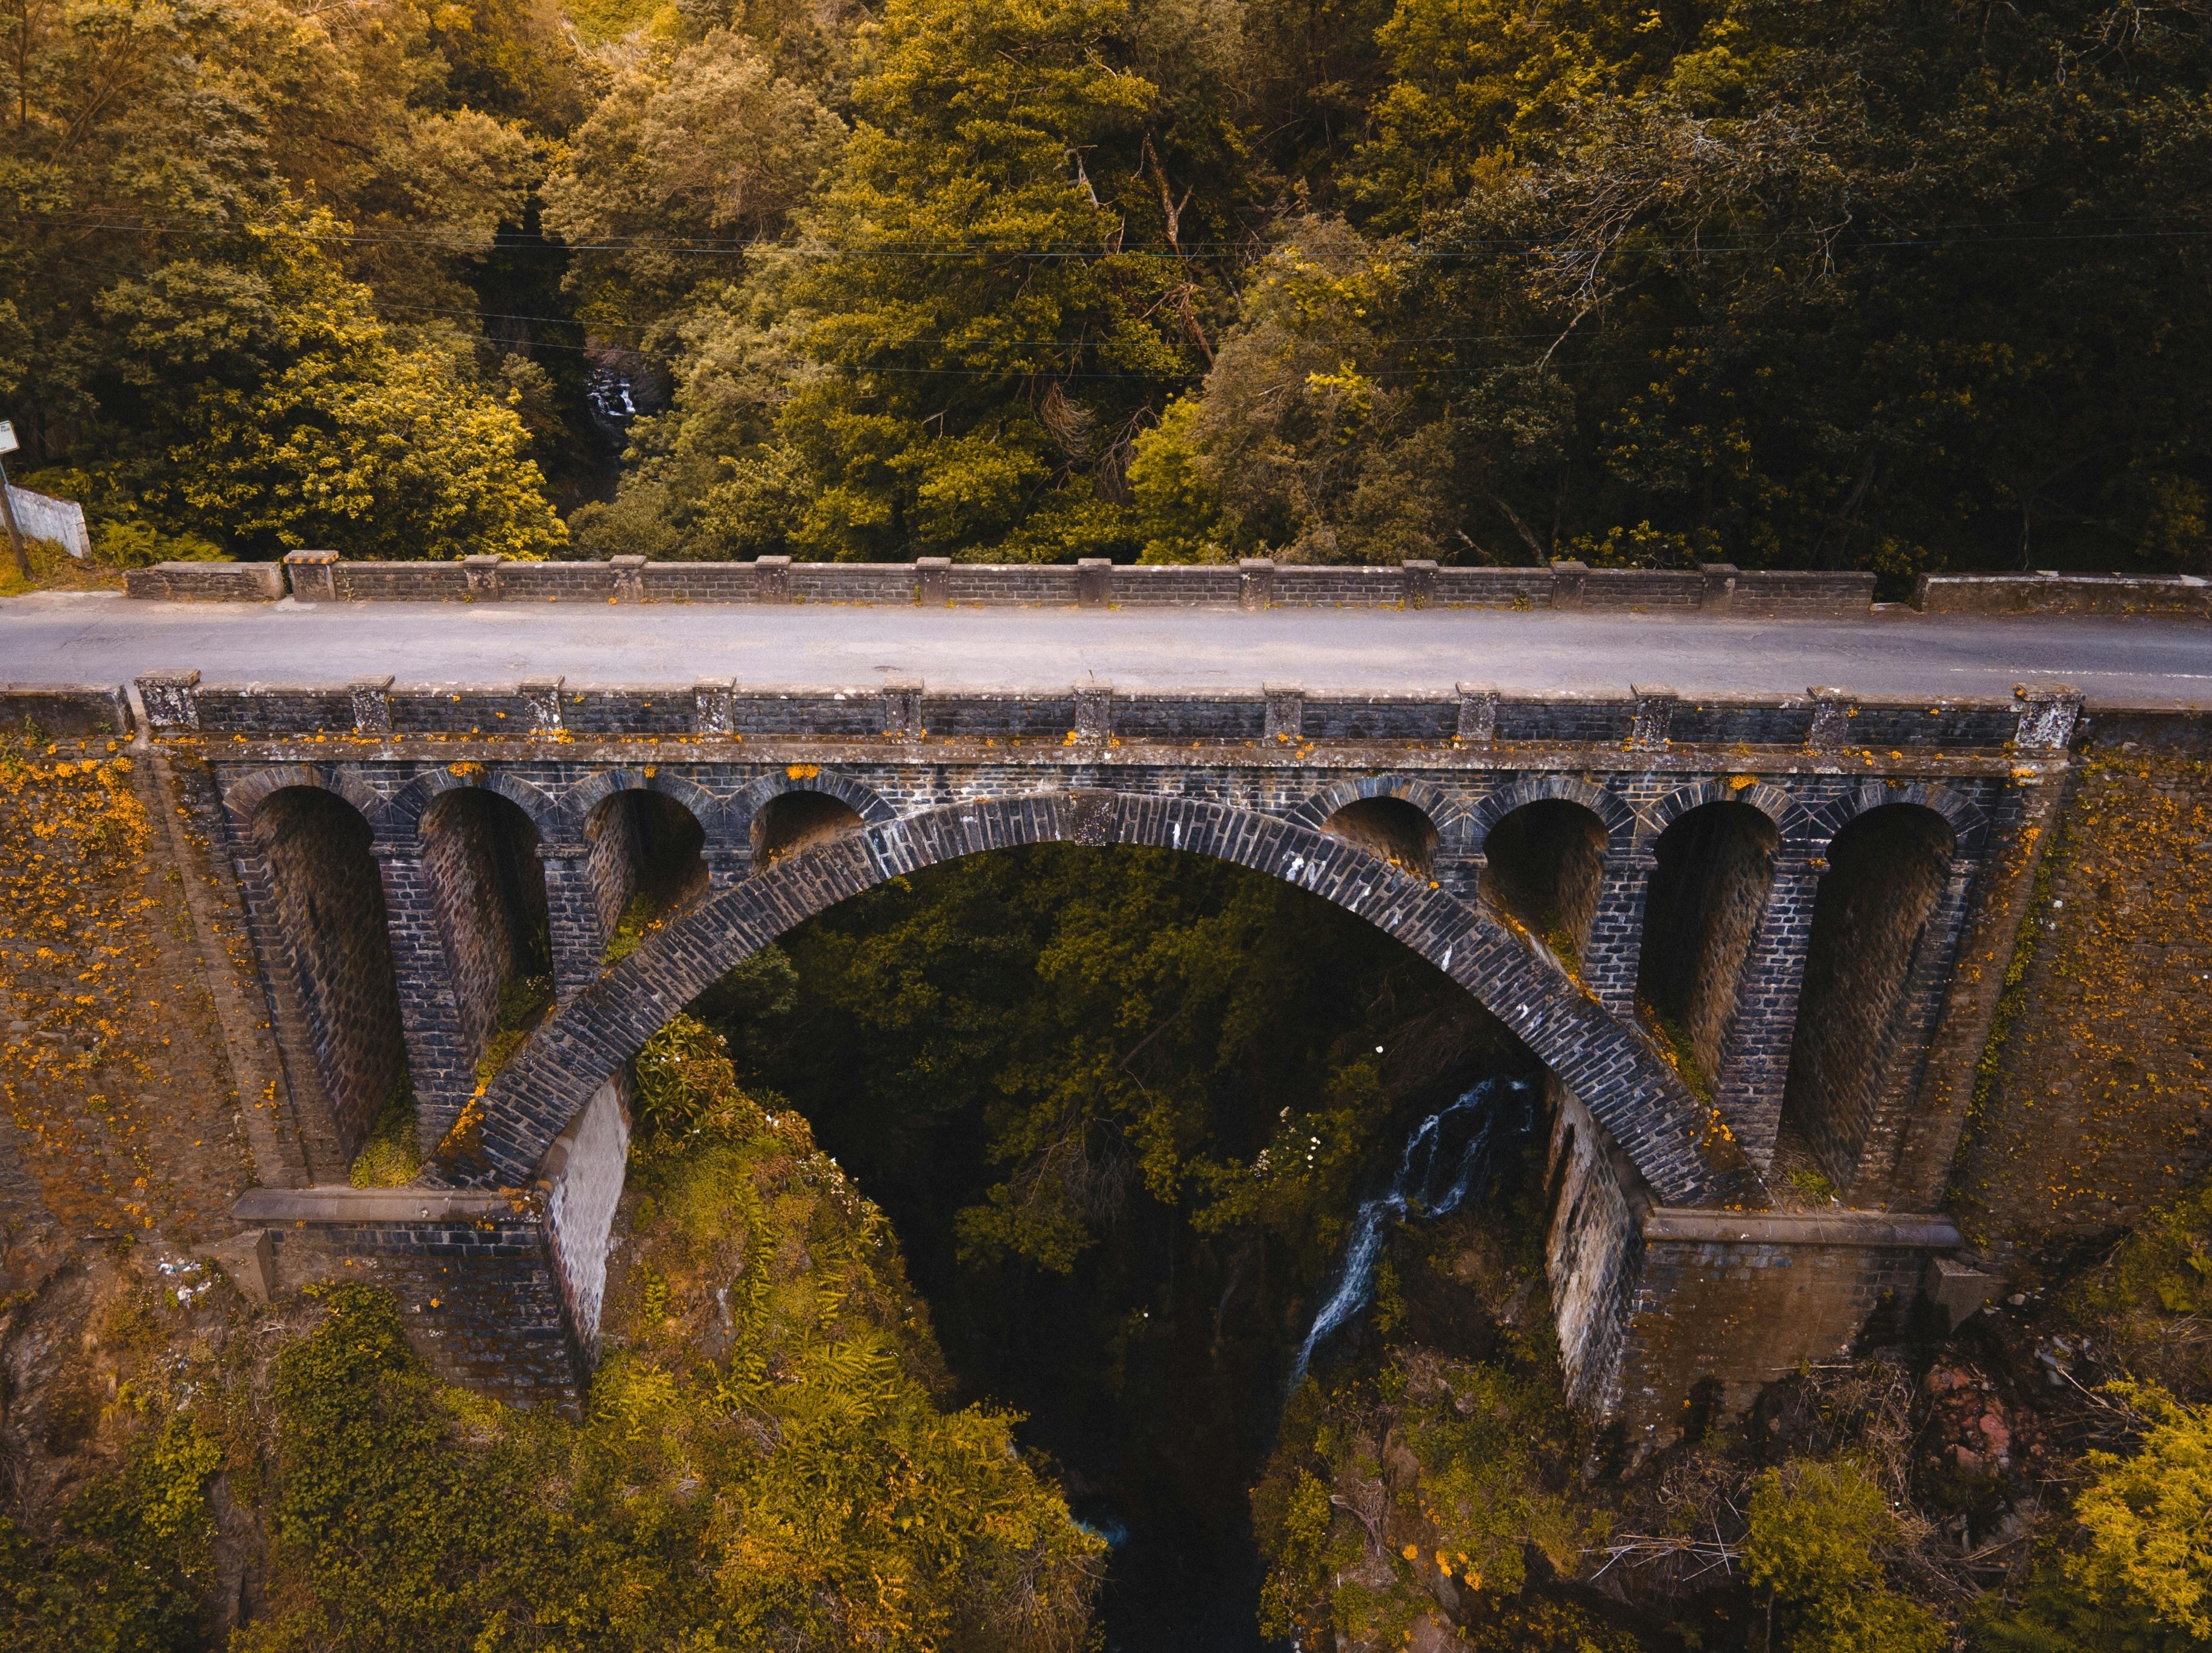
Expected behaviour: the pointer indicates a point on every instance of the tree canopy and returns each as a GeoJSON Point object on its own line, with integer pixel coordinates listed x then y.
{"type": "Point", "coordinates": [1881, 284]}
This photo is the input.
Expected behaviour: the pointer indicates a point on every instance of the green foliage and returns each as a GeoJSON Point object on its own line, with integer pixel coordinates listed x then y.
{"type": "Point", "coordinates": [2137, 1577]}
{"type": "Point", "coordinates": [1140, 1027]}
{"type": "Point", "coordinates": [1814, 1533]}
{"type": "Point", "coordinates": [392, 1156]}
{"type": "Point", "coordinates": [198, 339]}
{"type": "Point", "coordinates": [2148, 1517]}
{"type": "Point", "coordinates": [1380, 1481]}
{"type": "Point", "coordinates": [130, 1567]}
{"type": "Point", "coordinates": [765, 1461]}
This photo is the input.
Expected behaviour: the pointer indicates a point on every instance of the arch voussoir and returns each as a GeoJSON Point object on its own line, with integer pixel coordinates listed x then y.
{"type": "Point", "coordinates": [1606, 1063]}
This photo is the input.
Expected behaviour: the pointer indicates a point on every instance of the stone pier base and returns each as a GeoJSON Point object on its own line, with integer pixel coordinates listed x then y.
{"type": "Point", "coordinates": [1656, 1306]}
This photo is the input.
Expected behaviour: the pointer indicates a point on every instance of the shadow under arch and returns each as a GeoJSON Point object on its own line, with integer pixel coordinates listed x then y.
{"type": "Point", "coordinates": [1646, 1110]}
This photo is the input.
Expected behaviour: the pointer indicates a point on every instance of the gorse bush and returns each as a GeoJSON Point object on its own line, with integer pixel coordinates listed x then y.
{"type": "Point", "coordinates": [1816, 1532]}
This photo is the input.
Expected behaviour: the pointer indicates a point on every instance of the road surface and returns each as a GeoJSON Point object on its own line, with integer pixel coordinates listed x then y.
{"type": "Point", "coordinates": [102, 638]}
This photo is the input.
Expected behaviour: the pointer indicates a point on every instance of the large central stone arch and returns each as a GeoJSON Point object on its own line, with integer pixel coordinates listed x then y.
{"type": "Point", "coordinates": [1663, 1131]}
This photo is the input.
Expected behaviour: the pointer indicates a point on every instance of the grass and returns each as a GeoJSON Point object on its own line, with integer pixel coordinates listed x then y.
{"type": "Point", "coordinates": [523, 1003]}
{"type": "Point", "coordinates": [52, 569]}
{"type": "Point", "coordinates": [392, 1157]}
{"type": "Point", "coordinates": [1672, 1042]}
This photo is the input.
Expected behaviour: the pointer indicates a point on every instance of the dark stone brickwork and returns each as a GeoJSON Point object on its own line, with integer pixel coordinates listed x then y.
{"type": "Point", "coordinates": [480, 858]}
{"type": "Point", "coordinates": [900, 778]}
{"type": "Point", "coordinates": [1865, 1008]}
{"type": "Point", "coordinates": [320, 576]}
{"type": "Point", "coordinates": [478, 1297]}
{"type": "Point", "coordinates": [1715, 869]}
{"type": "Point", "coordinates": [321, 887]}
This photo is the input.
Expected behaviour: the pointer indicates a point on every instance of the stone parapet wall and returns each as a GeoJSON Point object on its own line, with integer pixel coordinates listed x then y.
{"type": "Point", "coordinates": [1718, 588]}
{"type": "Point", "coordinates": [206, 582]}
{"type": "Point", "coordinates": [2063, 593]}
{"type": "Point", "coordinates": [938, 582]}
{"type": "Point", "coordinates": [1470, 716]}
{"type": "Point", "coordinates": [59, 712]}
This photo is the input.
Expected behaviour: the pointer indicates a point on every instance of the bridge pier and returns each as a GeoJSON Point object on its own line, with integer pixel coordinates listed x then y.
{"type": "Point", "coordinates": [1748, 1089]}
{"type": "Point", "coordinates": [1614, 951]}
{"type": "Point", "coordinates": [1656, 1308]}
{"type": "Point", "coordinates": [429, 1013]}
{"type": "Point", "coordinates": [577, 926]}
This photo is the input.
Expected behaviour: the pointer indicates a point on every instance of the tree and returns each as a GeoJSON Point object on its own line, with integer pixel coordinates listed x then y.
{"type": "Point", "coordinates": [678, 170]}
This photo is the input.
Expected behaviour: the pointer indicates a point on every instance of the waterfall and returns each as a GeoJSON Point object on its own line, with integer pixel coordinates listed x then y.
{"type": "Point", "coordinates": [1427, 1161]}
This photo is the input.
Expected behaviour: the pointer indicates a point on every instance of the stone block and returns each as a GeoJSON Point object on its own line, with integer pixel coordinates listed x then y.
{"type": "Point", "coordinates": [1958, 1289]}
{"type": "Point", "coordinates": [312, 574]}
{"type": "Point", "coordinates": [250, 1260]}
{"type": "Point", "coordinates": [371, 705]}
{"type": "Point", "coordinates": [483, 573]}
{"type": "Point", "coordinates": [1478, 714]}
{"type": "Point", "coordinates": [171, 698]}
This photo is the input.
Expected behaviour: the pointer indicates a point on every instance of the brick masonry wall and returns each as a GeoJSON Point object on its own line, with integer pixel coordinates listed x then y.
{"type": "Point", "coordinates": [478, 1296]}
{"type": "Point", "coordinates": [1209, 773]}
{"type": "Point", "coordinates": [329, 900]}
{"type": "Point", "coordinates": [480, 912]}
{"type": "Point", "coordinates": [1707, 893]}
{"type": "Point", "coordinates": [1885, 873]}
{"type": "Point", "coordinates": [2095, 1101]}
{"type": "Point", "coordinates": [611, 865]}
{"type": "Point", "coordinates": [1738, 1314]}
{"type": "Point", "coordinates": [1592, 1251]}
{"type": "Point", "coordinates": [318, 577]}
{"type": "Point", "coordinates": [2085, 593]}
{"type": "Point", "coordinates": [68, 713]}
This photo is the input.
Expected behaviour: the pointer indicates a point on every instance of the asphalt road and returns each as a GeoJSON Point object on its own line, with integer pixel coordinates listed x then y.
{"type": "Point", "coordinates": [74, 638]}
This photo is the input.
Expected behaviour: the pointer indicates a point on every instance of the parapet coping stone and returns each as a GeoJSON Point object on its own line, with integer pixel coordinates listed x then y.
{"type": "Point", "coordinates": [351, 1204]}
{"type": "Point", "coordinates": [1876, 1229]}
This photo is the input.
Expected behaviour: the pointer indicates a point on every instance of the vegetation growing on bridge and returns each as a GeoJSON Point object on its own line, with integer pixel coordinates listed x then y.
{"type": "Point", "coordinates": [1883, 285]}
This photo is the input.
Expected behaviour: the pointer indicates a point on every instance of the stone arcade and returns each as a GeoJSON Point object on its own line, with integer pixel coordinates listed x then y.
{"type": "Point", "coordinates": [1813, 895]}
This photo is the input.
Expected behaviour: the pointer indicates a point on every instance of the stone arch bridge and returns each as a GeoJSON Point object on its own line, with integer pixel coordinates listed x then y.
{"type": "Point", "coordinates": [1756, 944]}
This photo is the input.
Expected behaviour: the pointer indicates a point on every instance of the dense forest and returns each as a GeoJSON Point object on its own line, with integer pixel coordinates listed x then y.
{"type": "Point", "coordinates": [1897, 284]}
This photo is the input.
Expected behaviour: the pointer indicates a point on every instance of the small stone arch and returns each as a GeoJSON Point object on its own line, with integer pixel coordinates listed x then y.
{"type": "Point", "coordinates": [1969, 824]}
{"type": "Point", "coordinates": [1445, 815]}
{"type": "Point", "coordinates": [1885, 916]}
{"type": "Point", "coordinates": [1610, 810]}
{"type": "Point", "coordinates": [1793, 824]}
{"type": "Point", "coordinates": [244, 797]}
{"type": "Point", "coordinates": [870, 805]}
{"type": "Point", "coordinates": [645, 835]}
{"type": "Point", "coordinates": [707, 808]}
{"type": "Point", "coordinates": [404, 814]}
{"type": "Point", "coordinates": [482, 859]}
{"type": "Point", "coordinates": [1639, 1100]}
{"type": "Point", "coordinates": [1714, 861]}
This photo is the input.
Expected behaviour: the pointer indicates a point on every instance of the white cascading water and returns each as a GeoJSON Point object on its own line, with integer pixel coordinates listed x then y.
{"type": "Point", "coordinates": [1412, 1193]}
